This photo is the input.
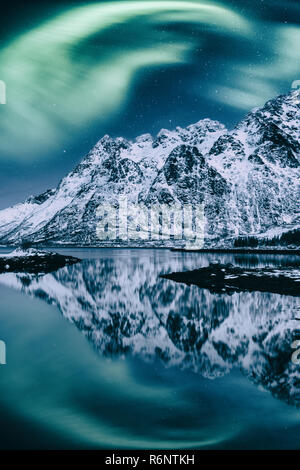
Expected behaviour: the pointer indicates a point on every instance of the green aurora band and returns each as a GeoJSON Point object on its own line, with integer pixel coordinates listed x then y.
{"type": "Point", "coordinates": [66, 72]}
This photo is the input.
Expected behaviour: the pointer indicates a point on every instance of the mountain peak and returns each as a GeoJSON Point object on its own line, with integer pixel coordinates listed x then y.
{"type": "Point", "coordinates": [247, 179]}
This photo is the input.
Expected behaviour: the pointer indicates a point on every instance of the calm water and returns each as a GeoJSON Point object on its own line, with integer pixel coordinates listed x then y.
{"type": "Point", "coordinates": [105, 354]}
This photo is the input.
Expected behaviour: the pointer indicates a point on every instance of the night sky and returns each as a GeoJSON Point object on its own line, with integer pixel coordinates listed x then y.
{"type": "Point", "coordinates": [75, 71]}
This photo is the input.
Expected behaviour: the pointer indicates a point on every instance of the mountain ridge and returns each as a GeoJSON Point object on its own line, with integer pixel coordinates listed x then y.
{"type": "Point", "coordinates": [247, 179]}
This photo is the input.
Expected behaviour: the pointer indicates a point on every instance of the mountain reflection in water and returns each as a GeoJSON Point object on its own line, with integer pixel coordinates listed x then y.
{"type": "Point", "coordinates": [123, 307]}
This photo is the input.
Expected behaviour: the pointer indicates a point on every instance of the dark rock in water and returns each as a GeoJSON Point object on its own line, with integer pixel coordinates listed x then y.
{"type": "Point", "coordinates": [34, 261]}
{"type": "Point", "coordinates": [227, 278]}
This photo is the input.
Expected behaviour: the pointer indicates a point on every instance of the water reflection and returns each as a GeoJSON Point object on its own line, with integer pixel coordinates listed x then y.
{"type": "Point", "coordinates": [123, 307]}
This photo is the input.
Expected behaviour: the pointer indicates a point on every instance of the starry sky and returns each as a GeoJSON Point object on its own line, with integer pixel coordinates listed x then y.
{"type": "Point", "coordinates": [75, 71]}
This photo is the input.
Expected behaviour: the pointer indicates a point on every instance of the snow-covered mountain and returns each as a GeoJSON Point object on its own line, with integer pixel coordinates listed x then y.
{"type": "Point", "coordinates": [247, 179]}
{"type": "Point", "coordinates": [122, 306]}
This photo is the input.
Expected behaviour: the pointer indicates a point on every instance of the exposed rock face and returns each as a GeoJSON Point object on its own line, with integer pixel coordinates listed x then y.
{"type": "Point", "coordinates": [247, 179]}
{"type": "Point", "coordinates": [123, 306]}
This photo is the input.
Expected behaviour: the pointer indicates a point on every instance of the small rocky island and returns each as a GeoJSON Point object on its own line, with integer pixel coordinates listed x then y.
{"type": "Point", "coordinates": [34, 261]}
{"type": "Point", "coordinates": [226, 278]}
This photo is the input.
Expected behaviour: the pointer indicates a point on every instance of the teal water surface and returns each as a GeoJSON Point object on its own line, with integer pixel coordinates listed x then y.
{"type": "Point", "coordinates": [105, 354]}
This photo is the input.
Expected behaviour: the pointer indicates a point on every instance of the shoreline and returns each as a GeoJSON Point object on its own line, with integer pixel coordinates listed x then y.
{"type": "Point", "coordinates": [247, 251]}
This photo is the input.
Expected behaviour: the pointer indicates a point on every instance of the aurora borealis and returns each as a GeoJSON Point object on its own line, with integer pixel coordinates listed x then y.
{"type": "Point", "coordinates": [128, 67]}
